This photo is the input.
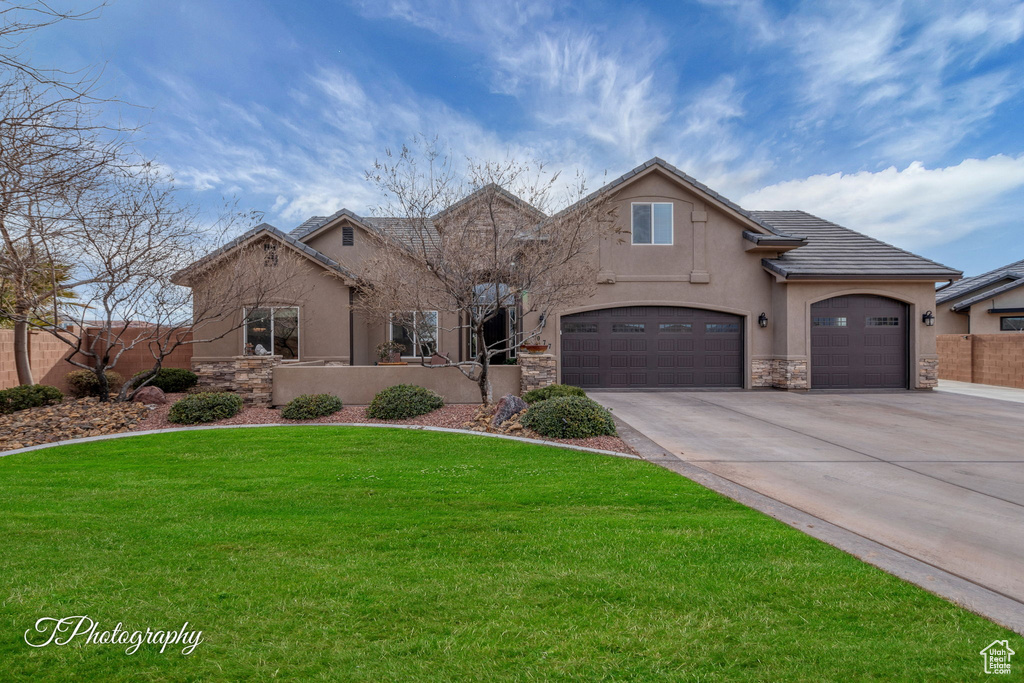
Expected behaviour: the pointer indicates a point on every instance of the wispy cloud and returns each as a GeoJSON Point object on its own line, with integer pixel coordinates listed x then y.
{"type": "Point", "coordinates": [915, 207]}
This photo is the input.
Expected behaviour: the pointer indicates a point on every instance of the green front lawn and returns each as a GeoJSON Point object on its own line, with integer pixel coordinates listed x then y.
{"type": "Point", "coordinates": [340, 553]}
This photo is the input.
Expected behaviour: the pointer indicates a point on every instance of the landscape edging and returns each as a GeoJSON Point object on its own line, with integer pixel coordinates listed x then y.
{"type": "Point", "coordinates": [121, 435]}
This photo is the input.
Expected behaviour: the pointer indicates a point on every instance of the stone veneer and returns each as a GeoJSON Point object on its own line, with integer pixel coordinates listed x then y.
{"type": "Point", "coordinates": [251, 377]}
{"type": "Point", "coordinates": [537, 370]}
{"type": "Point", "coordinates": [761, 372]}
{"type": "Point", "coordinates": [927, 373]}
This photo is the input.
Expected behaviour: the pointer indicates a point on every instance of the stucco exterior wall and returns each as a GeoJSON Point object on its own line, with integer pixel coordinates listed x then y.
{"type": "Point", "coordinates": [357, 385]}
{"type": "Point", "coordinates": [323, 321]}
{"type": "Point", "coordinates": [983, 322]}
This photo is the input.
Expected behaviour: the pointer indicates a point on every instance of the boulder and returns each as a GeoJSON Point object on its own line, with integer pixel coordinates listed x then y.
{"type": "Point", "coordinates": [150, 395]}
{"type": "Point", "coordinates": [507, 407]}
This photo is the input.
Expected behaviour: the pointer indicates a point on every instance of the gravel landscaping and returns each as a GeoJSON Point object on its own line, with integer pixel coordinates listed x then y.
{"type": "Point", "coordinates": [88, 417]}
{"type": "Point", "coordinates": [72, 419]}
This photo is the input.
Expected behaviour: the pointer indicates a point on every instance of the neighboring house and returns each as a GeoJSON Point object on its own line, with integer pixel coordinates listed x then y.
{"type": "Point", "coordinates": [984, 304]}
{"type": "Point", "coordinates": [699, 293]}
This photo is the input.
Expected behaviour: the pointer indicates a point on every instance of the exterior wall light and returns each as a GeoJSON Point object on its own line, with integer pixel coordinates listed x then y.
{"type": "Point", "coordinates": [762, 320]}
{"type": "Point", "coordinates": [928, 318]}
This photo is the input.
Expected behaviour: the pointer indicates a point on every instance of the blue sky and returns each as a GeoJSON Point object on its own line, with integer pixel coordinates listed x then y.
{"type": "Point", "coordinates": [899, 119]}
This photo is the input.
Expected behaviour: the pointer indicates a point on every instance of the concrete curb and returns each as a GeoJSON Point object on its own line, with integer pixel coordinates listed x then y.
{"type": "Point", "coordinates": [974, 597]}
{"type": "Point", "coordinates": [465, 432]}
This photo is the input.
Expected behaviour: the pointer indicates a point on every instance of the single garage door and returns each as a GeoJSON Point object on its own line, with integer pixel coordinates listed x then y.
{"type": "Point", "coordinates": [641, 347]}
{"type": "Point", "coordinates": [859, 342]}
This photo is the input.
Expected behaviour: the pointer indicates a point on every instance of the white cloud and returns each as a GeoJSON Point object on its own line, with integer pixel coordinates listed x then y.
{"type": "Point", "coordinates": [915, 207]}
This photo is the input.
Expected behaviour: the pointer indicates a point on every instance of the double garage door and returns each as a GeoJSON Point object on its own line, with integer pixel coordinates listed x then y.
{"type": "Point", "coordinates": [652, 347]}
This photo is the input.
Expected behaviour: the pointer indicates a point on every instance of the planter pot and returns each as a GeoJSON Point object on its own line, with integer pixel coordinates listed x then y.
{"type": "Point", "coordinates": [534, 348]}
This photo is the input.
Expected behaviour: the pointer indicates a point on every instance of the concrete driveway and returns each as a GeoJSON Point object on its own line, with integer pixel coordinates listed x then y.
{"type": "Point", "coordinates": [937, 476]}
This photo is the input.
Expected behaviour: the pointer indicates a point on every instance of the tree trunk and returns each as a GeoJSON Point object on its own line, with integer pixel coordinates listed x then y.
{"type": "Point", "coordinates": [104, 388]}
{"type": "Point", "coordinates": [484, 381]}
{"type": "Point", "coordinates": [22, 361]}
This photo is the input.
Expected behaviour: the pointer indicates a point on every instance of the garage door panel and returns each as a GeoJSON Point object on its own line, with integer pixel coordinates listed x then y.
{"type": "Point", "coordinates": [652, 346]}
{"type": "Point", "coordinates": [872, 333]}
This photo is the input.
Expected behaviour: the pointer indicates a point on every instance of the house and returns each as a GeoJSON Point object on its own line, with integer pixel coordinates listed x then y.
{"type": "Point", "coordinates": [699, 292]}
{"type": "Point", "coordinates": [984, 304]}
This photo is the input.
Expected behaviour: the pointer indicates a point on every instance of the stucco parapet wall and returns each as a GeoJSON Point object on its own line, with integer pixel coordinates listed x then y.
{"type": "Point", "coordinates": [538, 370]}
{"type": "Point", "coordinates": [358, 384]}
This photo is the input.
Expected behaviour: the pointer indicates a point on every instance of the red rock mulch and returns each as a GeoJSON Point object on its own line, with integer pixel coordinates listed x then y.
{"type": "Point", "coordinates": [73, 419]}
{"type": "Point", "coordinates": [456, 416]}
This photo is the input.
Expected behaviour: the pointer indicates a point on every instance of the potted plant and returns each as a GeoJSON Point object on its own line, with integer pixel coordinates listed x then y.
{"type": "Point", "coordinates": [390, 353]}
{"type": "Point", "coordinates": [535, 348]}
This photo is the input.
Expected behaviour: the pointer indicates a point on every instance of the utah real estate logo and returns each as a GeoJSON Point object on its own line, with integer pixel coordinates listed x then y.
{"type": "Point", "coordinates": [997, 657]}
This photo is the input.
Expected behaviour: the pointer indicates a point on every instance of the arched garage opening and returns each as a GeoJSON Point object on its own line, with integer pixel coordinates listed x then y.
{"type": "Point", "coordinates": [645, 347]}
{"type": "Point", "coordinates": [859, 341]}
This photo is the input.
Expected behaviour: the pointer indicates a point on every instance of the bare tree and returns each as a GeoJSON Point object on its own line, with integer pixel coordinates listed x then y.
{"type": "Point", "coordinates": [479, 242]}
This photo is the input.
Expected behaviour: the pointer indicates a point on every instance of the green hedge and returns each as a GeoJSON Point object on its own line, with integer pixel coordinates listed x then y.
{"type": "Point", "coordinates": [169, 380]}
{"type": "Point", "coordinates": [85, 383]}
{"type": "Point", "coordinates": [403, 401]}
{"type": "Point", "coordinates": [311, 406]}
{"type": "Point", "coordinates": [28, 396]}
{"type": "Point", "coordinates": [569, 417]}
{"type": "Point", "coordinates": [206, 406]}
{"type": "Point", "coordinates": [552, 391]}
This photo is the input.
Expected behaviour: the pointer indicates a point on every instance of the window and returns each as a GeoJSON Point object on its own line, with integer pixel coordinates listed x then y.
{"type": "Point", "coordinates": [579, 328]}
{"type": "Point", "coordinates": [630, 328]}
{"type": "Point", "coordinates": [1012, 323]}
{"type": "Point", "coordinates": [652, 223]}
{"type": "Point", "coordinates": [272, 331]}
{"type": "Point", "coordinates": [721, 328]}
{"type": "Point", "coordinates": [417, 332]}
{"type": "Point", "coordinates": [675, 327]}
{"type": "Point", "coordinates": [883, 321]}
{"type": "Point", "coordinates": [828, 322]}
{"type": "Point", "coordinates": [348, 238]}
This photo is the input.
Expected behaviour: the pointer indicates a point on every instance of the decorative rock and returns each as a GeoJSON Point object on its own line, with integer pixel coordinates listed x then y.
{"type": "Point", "coordinates": [150, 395]}
{"type": "Point", "coordinates": [507, 407]}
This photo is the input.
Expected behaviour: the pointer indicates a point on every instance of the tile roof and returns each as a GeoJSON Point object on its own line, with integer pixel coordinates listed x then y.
{"type": "Point", "coordinates": [987, 294]}
{"type": "Point", "coordinates": [836, 252]}
{"type": "Point", "coordinates": [287, 238]}
{"type": "Point", "coordinates": [976, 282]}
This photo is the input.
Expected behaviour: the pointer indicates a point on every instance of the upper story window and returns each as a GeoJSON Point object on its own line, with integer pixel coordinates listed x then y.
{"type": "Point", "coordinates": [348, 237]}
{"type": "Point", "coordinates": [652, 223]}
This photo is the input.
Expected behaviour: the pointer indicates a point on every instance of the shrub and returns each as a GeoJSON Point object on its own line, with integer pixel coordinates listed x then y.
{"type": "Point", "coordinates": [310, 406]}
{"type": "Point", "coordinates": [205, 407]}
{"type": "Point", "coordinates": [85, 383]}
{"type": "Point", "coordinates": [569, 417]}
{"type": "Point", "coordinates": [28, 396]}
{"type": "Point", "coordinates": [169, 380]}
{"type": "Point", "coordinates": [552, 391]}
{"type": "Point", "coordinates": [403, 401]}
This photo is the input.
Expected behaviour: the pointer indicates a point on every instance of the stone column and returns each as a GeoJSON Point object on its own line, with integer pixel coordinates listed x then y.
{"type": "Point", "coordinates": [536, 370]}
{"type": "Point", "coordinates": [928, 372]}
{"type": "Point", "coordinates": [215, 375]}
{"type": "Point", "coordinates": [788, 373]}
{"type": "Point", "coordinates": [254, 377]}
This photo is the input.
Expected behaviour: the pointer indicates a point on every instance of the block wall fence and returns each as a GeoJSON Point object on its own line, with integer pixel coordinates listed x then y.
{"type": "Point", "coordinates": [996, 359]}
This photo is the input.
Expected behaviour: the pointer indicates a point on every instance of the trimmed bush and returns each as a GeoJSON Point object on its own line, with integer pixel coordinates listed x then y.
{"type": "Point", "coordinates": [403, 401]}
{"type": "Point", "coordinates": [28, 396]}
{"type": "Point", "coordinates": [552, 391]}
{"type": "Point", "coordinates": [205, 407]}
{"type": "Point", "coordinates": [310, 406]}
{"type": "Point", "coordinates": [569, 417]}
{"type": "Point", "coordinates": [169, 380]}
{"type": "Point", "coordinates": [85, 383]}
